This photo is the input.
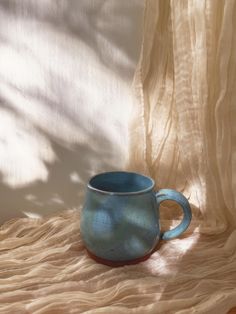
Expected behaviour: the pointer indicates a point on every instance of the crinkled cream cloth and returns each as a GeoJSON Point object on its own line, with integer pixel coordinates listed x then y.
{"type": "Point", "coordinates": [183, 135]}
{"type": "Point", "coordinates": [44, 269]}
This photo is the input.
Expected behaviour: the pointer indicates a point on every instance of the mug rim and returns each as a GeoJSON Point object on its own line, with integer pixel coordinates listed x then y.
{"type": "Point", "coordinates": [148, 189]}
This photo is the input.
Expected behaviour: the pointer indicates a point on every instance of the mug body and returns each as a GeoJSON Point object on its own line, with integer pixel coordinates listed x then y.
{"type": "Point", "coordinates": [120, 219]}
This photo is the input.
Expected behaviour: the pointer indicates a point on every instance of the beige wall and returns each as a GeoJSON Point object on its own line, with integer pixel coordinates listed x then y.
{"type": "Point", "coordinates": [66, 69]}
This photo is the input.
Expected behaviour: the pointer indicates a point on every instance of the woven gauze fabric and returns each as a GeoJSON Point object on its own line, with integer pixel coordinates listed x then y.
{"type": "Point", "coordinates": [183, 135]}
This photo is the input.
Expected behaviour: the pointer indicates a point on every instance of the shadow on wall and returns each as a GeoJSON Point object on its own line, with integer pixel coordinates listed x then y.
{"type": "Point", "coordinates": [63, 189]}
{"type": "Point", "coordinates": [102, 25]}
{"type": "Point", "coordinates": [58, 74]}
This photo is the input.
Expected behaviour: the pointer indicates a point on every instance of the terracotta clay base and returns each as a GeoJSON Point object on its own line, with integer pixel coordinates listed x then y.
{"type": "Point", "coordinates": [118, 263]}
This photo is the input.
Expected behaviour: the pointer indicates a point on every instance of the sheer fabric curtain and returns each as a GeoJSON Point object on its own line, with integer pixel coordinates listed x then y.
{"type": "Point", "coordinates": [183, 135]}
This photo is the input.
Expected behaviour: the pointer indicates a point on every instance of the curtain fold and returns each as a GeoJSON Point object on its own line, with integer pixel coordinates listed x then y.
{"type": "Point", "coordinates": [183, 133]}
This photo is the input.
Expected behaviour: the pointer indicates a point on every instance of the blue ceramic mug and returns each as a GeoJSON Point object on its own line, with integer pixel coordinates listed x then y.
{"type": "Point", "coordinates": [120, 217]}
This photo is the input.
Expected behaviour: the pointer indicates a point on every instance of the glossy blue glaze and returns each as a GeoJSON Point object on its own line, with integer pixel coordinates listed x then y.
{"type": "Point", "coordinates": [120, 217]}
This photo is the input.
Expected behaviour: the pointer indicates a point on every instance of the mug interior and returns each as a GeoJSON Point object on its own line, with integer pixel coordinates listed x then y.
{"type": "Point", "coordinates": [121, 182]}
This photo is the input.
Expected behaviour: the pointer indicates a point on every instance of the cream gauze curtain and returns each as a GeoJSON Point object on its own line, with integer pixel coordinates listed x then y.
{"type": "Point", "coordinates": [184, 137]}
{"type": "Point", "coordinates": [182, 133]}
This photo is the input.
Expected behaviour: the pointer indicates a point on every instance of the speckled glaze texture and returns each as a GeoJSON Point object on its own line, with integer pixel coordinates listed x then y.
{"type": "Point", "coordinates": [120, 216]}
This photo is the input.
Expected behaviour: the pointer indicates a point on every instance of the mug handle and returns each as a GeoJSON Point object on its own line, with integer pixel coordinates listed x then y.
{"type": "Point", "coordinates": [172, 195]}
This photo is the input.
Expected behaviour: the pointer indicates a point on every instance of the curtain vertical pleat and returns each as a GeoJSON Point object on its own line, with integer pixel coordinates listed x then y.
{"type": "Point", "coordinates": [182, 134]}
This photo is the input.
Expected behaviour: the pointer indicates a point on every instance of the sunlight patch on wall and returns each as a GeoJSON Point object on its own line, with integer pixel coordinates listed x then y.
{"type": "Point", "coordinates": [18, 69]}
{"type": "Point", "coordinates": [33, 199]}
{"type": "Point", "coordinates": [56, 199]}
{"type": "Point", "coordinates": [23, 151]}
{"type": "Point", "coordinates": [65, 95]}
{"type": "Point", "coordinates": [45, 78]}
{"type": "Point", "coordinates": [75, 178]}
{"type": "Point", "coordinates": [31, 214]}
